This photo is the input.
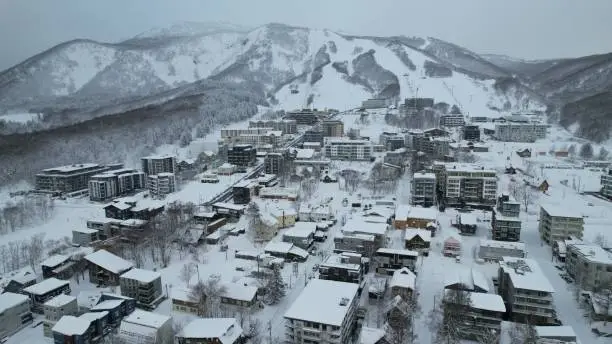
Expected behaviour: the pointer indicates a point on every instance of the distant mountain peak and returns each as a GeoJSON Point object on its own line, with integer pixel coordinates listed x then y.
{"type": "Point", "coordinates": [191, 28]}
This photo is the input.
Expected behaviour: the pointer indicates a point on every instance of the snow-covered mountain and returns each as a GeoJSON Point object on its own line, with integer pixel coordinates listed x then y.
{"type": "Point", "coordinates": [325, 68]}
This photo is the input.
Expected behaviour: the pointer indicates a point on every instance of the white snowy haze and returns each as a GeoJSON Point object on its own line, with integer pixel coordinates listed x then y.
{"type": "Point", "coordinates": [520, 28]}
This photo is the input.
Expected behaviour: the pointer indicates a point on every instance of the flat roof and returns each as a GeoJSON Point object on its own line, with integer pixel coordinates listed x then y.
{"type": "Point", "coordinates": [108, 304]}
{"type": "Point", "coordinates": [45, 286]}
{"type": "Point", "coordinates": [323, 302]}
{"type": "Point", "coordinates": [502, 244]}
{"type": "Point", "coordinates": [526, 274]}
{"type": "Point", "coordinates": [468, 219]}
{"type": "Point", "coordinates": [148, 319]}
{"type": "Point", "coordinates": [555, 331]}
{"type": "Point", "coordinates": [227, 330]}
{"type": "Point", "coordinates": [423, 213]}
{"type": "Point", "coordinates": [71, 325]}
{"type": "Point", "coordinates": [71, 168]}
{"type": "Point", "coordinates": [60, 300]}
{"type": "Point", "coordinates": [277, 246]}
{"type": "Point", "coordinates": [422, 175]}
{"type": "Point", "coordinates": [488, 302]}
{"type": "Point", "coordinates": [231, 206]}
{"type": "Point", "coordinates": [401, 212]}
{"type": "Point", "coordinates": [371, 335]}
{"type": "Point", "coordinates": [301, 229]}
{"type": "Point", "coordinates": [335, 260]}
{"type": "Point", "coordinates": [109, 261]}
{"type": "Point", "coordinates": [361, 225]}
{"type": "Point", "coordinates": [240, 292]}
{"type": "Point", "coordinates": [10, 300]}
{"type": "Point", "coordinates": [593, 253]}
{"type": "Point", "coordinates": [398, 252]}
{"type": "Point", "coordinates": [559, 211]}
{"type": "Point", "coordinates": [142, 275]}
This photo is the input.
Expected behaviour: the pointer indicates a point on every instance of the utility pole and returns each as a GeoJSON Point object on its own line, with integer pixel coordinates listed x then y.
{"type": "Point", "coordinates": [270, 330]}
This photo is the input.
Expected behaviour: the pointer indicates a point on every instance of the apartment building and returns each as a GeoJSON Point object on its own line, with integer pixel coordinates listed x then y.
{"type": "Point", "coordinates": [331, 321]}
{"type": "Point", "coordinates": [44, 291]}
{"type": "Point", "coordinates": [55, 309]}
{"type": "Point", "coordinates": [589, 265]}
{"type": "Point", "coordinates": [14, 313]}
{"type": "Point", "coordinates": [526, 291]}
{"type": "Point", "coordinates": [493, 250]}
{"type": "Point", "coordinates": [314, 135]}
{"type": "Point", "coordinates": [306, 116]}
{"type": "Point", "coordinates": [468, 183]}
{"type": "Point", "coordinates": [363, 244]}
{"type": "Point", "coordinates": [418, 103]}
{"type": "Point", "coordinates": [471, 133]}
{"type": "Point", "coordinates": [70, 178]}
{"type": "Point", "coordinates": [520, 132]}
{"type": "Point", "coordinates": [332, 128]}
{"type": "Point", "coordinates": [144, 286]}
{"type": "Point", "coordinates": [161, 184]}
{"type": "Point", "coordinates": [270, 138]}
{"type": "Point", "coordinates": [274, 163]}
{"type": "Point", "coordinates": [505, 220]}
{"type": "Point", "coordinates": [242, 155]}
{"type": "Point", "coordinates": [388, 260]}
{"type": "Point", "coordinates": [105, 267]}
{"type": "Point", "coordinates": [376, 103]}
{"type": "Point", "coordinates": [143, 327]}
{"type": "Point", "coordinates": [423, 189]}
{"type": "Point", "coordinates": [342, 267]}
{"type": "Point", "coordinates": [606, 184]}
{"type": "Point", "coordinates": [111, 184]}
{"type": "Point", "coordinates": [482, 315]}
{"type": "Point", "coordinates": [159, 164]}
{"type": "Point", "coordinates": [286, 126]}
{"type": "Point", "coordinates": [452, 120]}
{"type": "Point", "coordinates": [560, 223]}
{"type": "Point", "coordinates": [392, 140]}
{"type": "Point", "coordinates": [343, 148]}
{"type": "Point", "coordinates": [433, 147]}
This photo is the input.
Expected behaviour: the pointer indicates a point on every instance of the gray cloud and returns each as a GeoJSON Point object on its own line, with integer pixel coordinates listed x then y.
{"type": "Point", "coordinates": [521, 28]}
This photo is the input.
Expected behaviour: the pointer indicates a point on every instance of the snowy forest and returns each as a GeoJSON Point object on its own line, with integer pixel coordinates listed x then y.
{"type": "Point", "coordinates": [127, 135]}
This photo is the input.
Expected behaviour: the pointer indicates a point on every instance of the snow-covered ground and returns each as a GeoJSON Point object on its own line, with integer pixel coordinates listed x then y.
{"type": "Point", "coordinates": [21, 117]}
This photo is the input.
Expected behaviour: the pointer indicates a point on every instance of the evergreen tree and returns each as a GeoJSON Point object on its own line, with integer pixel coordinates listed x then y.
{"type": "Point", "coordinates": [586, 151]}
{"type": "Point", "coordinates": [275, 287]}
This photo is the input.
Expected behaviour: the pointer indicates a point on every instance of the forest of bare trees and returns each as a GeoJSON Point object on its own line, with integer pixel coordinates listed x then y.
{"type": "Point", "coordinates": [25, 211]}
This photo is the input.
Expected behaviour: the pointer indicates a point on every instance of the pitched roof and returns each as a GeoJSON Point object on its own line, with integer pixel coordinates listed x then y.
{"type": "Point", "coordinates": [227, 330]}
{"type": "Point", "coordinates": [45, 286]}
{"type": "Point", "coordinates": [141, 275]}
{"type": "Point", "coordinates": [109, 261]}
{"type": "Point", "coordinates": [403, 278]}
{"type": "Point", "coordinates": [10, 300]}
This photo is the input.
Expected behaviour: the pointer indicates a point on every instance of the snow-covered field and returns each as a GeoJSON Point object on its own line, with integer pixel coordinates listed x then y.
{"type": "Point", "coordinates": [20, 117]}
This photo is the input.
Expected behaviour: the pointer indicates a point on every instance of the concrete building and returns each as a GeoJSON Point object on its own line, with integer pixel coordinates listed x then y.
{"type": "Point", "coordinates": [275, 163]}
{"type": "Point", "coordinates": [242, 155]}
{"type": "Point", "coordinates": [70, 178]}
{"type": "Point", "coordinates": [376, 103]}
{"type": "Point", "coordinates": [159, 164]}
{"type": "Point", "coordinates": [55, 309]}
{"type": "Point", "coordinates": [144, 286]}
{"type": "Point", "coordinates": [286, 126]}
{"type": "Point", "coordinates": [452, 120]}
{"type": "Point", "coordinates": [526, 291]}
{"type": "Point", "coordinates": [403, 283]}
{"type": "Point", "coordinates": [560, 223]}
{"type": "Point", "coordinates": [314, 135]}
{"type": "Point", "coordinates": [392, 141]}
{"type": "Point", "coordinates": [161, 184]}
{"type": "Point", "coordinates": [343, 148]}
{"type": "Point", "coordinates": [505, 219]}
{"type": "Point", "coordinates": [44, 291]}
{"type": "Point", "coordinates": [468, 183]}
{"type": "Point", "coordinates": [389, 260]}
{"type": "Point", "coordinates": [301, 234]}
{"type": "Point", "coordinates": [493, 250]}
{"type": "Point", "coordinates": [520, 132]}
{"type": "Point", "coordinates": [363, 244]}
{"type": "Point", "coordinates": [73, 330]}
{"type": "Point", "coordinates": [418, 103]}
{"type": "Point", "coordinates": [343, 267]}
{"type": "Point", "coordinates": [333, 128]}
{"type": "Point", "coordinates": [331, 321]}
{"type": "Point", "coordinates": [143, 327]}
{"type": "Point", "coordinates": [14, 313]}
{"type": "Point", "coordinates": [482, 315]}
{"type": "Point", "coordinates": [306, 116]}
{"type": "Point", "coordinates": [423, 189]}
{"type": "Point", "coordinates": [471, 133]}
{"type": "Point", "coordinates": [589, 265]}
{"type": "Point", "coordinates": [606, 184]}
{"type": "Point", "coordinates": [105, 267]}
{"type": "Point", "coordinates": [115, 183]}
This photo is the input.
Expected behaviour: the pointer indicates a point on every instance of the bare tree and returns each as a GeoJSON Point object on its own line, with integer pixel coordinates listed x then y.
{"type": "Point", "coordinates": [36, 249]}
{"type": "Point", "coordinates": [186, 273]}
{"type": "Point", "coordinates": [447, 319]}
{"type": "Point", "coordinates": [523, 334]}
{"type": "Point", "coordinates": [253, 331]}
{"type": "Point", "coordinates": [586, 151]}
{"type": "Point", "coordinates": [258, 229]}
{"type": "Point", "coordinates": [603, 154]}
{"type": "Point", "coordinates": [522, 193]}
{"type": "Point", "coordinates": [208, 296]}
{"type": "Point", "coordinates": [600, 240]}
{"type": "Point", "coordinates": [401, 315]}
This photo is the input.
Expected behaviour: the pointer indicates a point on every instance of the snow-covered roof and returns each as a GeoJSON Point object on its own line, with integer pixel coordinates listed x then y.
{"type": "Point", "coordinates": [555, 331]}
{"type": "Point", "coordinates": [371, 335]}
{"type": "Point", "coordinates": [468, 219]}
{"type": "Point", "coordinates": [360, 225]}
{"type": "Point", "coordinates": [142, 275]}
{"type": "Point", "coordinates": [55, 260]}
{"type": "Point", "coordinates": [88, 299]}
{"type": "Point", "coordinates": [306, 153]}
{"type": "Point", "coordinates": [93, 316]}
{"type": "Point", "coordinates": [70, 168]}
{"type": "Point", "coordinates": [45, 286]}
{"type": "Point", "coordinates": [70, 325]}
{"type": "Point", "coordinates": [468, 277]}
{"type": "Point", "coordinates": [423, 213]}
{"type": "Point", "coordinates": [422, 233]}
{"type": "Point", "coordinates": [278, 191]}
{"type": "Point", "coordinates": [593, 253]}
{"type": "Point", "coordinates": [120, 205]}
{"type": "Point", "coordinates": [502, 244]}
{"type": "Point", "coordinates": [231, 206]}
{"type": "Point", "coordinates": [60, 300]}
{"type": "Point", "coordinates": [488, 302]}
{"type": "Point", "coordinates": [279, 247]}
{"type": "Point", "coordinates": [323, 302]}
{"type": "Point", "coordinates": [424, 175]}
{"type": "Point", "coordinates": [401, 212]}
{"type": "Point", "coordinates": [400, 252]}
{"type": "Point", "coordinates": [181, 294]}
{"type": "Point", "coordinates": [335, 260]}
{"type": "Point", "coordinates": [147, 319]}
{"type": "Point", "coordinates": [108, 304]}
{"type": "Point", "coordinates": [84, 231]}
{"type": "Point", "coordinates": [10, 300]}
{"type": "Point", "coordinates": [227, 330]}
{"type": "Point", "coordinates": [403, 278]}
{"type": "Point", "coordinates": [323, 209]}
{"type": "Point", "coordinates": [109, 261]}
{"type": "Point", "coordinates": [298, 251]}
{"type": "Point", "coordinates": [453, 236]}
{"type": "Point", "coordinates": [240, 292]}
{"type": "Point", "coordinates": [301, 229]}
{"type": "Point", "coordinates": [526, 274]}
{"type": "Point", "coordinates": [559, 211]}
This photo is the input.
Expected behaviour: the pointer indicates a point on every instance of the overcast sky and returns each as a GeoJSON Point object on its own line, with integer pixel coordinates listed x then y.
{"type": "Point", "coordinates": [531, 29]}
